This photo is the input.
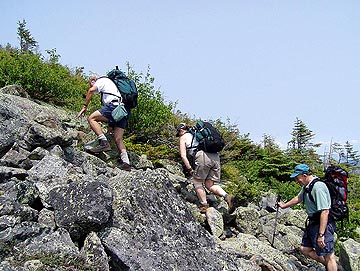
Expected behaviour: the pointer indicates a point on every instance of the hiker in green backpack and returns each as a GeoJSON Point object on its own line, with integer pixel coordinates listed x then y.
{"type": "Point", "coordinates": [110, 100]}
{"type": "Point", "coordinates": [318, 239]}
{"type": "Point", "coordinates": [205, 169]}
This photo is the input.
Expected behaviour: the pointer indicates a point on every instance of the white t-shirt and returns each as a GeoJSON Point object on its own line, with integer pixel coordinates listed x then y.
{"type": "Point", "coordinates": [108, 86]}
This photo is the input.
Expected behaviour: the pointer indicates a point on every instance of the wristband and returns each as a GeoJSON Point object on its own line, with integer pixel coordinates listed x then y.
{"type": "Point", "coordinates": [320, 235]}
{"type": "Point", "coordinates": [85, 105]}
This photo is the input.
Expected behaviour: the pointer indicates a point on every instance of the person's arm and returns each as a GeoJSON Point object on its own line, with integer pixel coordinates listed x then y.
{"type": "Point", "coordinates": [89, 94]}
{"type": "Point", "coordinates": [324, 217]}
{"type": "Point", "coordinates": [183, 153]}
{"type": "Point", "coordinates": [290, 203]}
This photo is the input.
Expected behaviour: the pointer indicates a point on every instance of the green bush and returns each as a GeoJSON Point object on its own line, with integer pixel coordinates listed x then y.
{"type": "Point", "coordinates": [152, 114]}
{"type": "Point", "coordinates": [244, 191]}
{"type": "Point", "coordinates": [49, 82]}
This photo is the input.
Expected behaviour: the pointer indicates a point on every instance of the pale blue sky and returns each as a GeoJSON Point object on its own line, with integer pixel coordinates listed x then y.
{"type": "Point", "coordinates": [261, 64]}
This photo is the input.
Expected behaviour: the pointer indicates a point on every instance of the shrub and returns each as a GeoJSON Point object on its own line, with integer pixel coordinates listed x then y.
{"type": "Point", "coordinates": [152, 114]}
{"type": "Point", "coordinates": [49, 82]}
{"type": "Point", "coordinates": [244, 191]}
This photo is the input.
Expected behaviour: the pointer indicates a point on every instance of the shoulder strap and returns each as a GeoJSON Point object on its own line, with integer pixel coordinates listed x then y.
{"type": "Point", "coordinates": [192, 140]}
{"type": "Point", "coordinates": [310, 188]}
{"type": "Point", "coordinates": [112, 94]}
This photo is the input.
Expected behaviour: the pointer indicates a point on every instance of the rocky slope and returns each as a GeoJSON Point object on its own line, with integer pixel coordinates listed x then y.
{"type": "Point", "coordinates": [64, 209]}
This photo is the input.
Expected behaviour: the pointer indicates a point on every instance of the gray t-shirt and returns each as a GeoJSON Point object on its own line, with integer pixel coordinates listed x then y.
{"type": "Point", "coordinates": [321, 197]}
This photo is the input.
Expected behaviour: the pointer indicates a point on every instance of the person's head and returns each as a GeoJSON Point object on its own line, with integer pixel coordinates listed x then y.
{"type": "Point", "coordinates": [181, 129]}
{"type": "Point", "coordinates": [92, 78]}
{"type": "Point", "coordinates": [301, 174]}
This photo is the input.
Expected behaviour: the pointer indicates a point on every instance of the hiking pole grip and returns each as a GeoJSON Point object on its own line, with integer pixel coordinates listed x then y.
{"type": "Point", "coordinates": [278, 199]}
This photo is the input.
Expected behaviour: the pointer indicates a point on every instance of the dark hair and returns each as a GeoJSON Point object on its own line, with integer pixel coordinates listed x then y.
{"type": "Point", "coordinates": [182, 126]}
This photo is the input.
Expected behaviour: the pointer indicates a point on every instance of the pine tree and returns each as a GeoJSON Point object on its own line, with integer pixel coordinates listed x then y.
{"type": "Point", "coordinates": [351, 156]}
{"type": "Point", "coordinates": [339, 150]}
{"type": "Point", "coordinates": [300, 147]}
{"type": "Point", "coordinates": [27, 43]}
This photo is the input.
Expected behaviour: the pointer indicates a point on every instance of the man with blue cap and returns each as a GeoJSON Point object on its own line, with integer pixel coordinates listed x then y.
{"type": "Point", "coordinates": [318, 239]}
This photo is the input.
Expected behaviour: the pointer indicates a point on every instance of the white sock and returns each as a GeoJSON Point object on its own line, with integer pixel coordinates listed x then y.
{"type": "Point", "coordinates": [125, 158]}
{"type": "Point", "coordinates": [102, 137]}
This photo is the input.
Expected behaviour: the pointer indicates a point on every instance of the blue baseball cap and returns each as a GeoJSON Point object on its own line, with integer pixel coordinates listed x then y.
{"type": "Point", "coordinates": [300, 169]}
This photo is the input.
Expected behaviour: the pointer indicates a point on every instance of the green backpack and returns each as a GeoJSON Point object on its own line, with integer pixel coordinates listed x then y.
{"type": "Point", "coordinates": [209, 138]}
{"type": "Point", "coordinates": [126, 87]}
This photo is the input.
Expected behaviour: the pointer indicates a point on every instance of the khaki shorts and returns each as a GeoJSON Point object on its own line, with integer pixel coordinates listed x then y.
{"type": "Point", "coordinates": [207, 166]}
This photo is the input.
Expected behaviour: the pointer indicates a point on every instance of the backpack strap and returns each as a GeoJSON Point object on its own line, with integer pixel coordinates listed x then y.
{"type": "Point", "coordinates": [196, 148]}
{"type": "Point", "coordinates": [192, 141]}
{"type": "Point", "coordinates": [191, 156]}
{"type": "Point", "coordinates": [120, 98]}
{"type": "Point", "coordinates": [314, 219]}
{"type": "Point", "coordinates": [309, 189]}
{"type": "Point", "coordinates": [102, 93]}
{"type": "Point", "coordinates": [113, 95]}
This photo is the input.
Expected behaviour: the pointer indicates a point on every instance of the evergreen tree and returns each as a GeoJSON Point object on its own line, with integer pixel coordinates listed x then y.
{"type": "Point", "coordinates": [27, 43]}
{"type": "Point", "coordinates": [351, 156]}
{"type": "Point", "coordinates": [336, 148]}
{"type": "Point", "coordinates": [269, 144]}
{"type": "Point", "coordinates": [276, 164]}
{"type": "Point", "coordinates": [300, 147]}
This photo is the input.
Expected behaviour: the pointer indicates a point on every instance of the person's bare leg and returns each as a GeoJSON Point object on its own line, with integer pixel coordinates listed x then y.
{"type": "Point", "coordinates": [214, 188]}
{"type": "Point", "coordinates": [94, 119]}
{"type": "Point", "coordinates": [330, 262]}
{"type": "Point", "coordinates": [201, 194]}
{"type": "Point", "coordinates": [119, 139]}
{"type": "Point", "coordinates": [310, 252]}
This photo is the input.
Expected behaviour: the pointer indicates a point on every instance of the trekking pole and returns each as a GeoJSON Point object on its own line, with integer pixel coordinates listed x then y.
{"type": "Point", "coordinates": [276, 216]}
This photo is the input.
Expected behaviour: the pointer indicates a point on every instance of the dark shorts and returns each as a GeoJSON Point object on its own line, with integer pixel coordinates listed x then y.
{"type": "Point", "coordinates": [106, 110]}
{"type": "Point", "coordinates": [311, 235]}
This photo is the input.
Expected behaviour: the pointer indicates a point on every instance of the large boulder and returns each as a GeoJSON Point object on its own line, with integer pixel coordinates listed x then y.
{"type": "Point", "coordinates": [350, 255]}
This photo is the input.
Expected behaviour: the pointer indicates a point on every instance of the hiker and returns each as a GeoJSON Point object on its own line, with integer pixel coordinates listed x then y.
{"type": "Point", "coordinates": [106, 87]}
{"type": "Point", "coordinates": [318, 239]}
{"type": "Point", "coordinates": [205, 168]}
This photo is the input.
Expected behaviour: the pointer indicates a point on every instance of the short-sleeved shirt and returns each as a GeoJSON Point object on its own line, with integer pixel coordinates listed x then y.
{"type": "Point", "coordinates": [321, 195]}
{"type": "Point", "coordinates": [106, 85]}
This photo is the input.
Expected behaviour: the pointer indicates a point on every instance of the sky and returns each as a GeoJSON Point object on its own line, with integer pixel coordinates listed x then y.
{"type": "Point", "coordinates": [259, 64]}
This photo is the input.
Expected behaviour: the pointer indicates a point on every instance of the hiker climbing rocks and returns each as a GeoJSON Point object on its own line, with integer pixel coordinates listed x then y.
{"type": "Point", "coordinates": [110, 101]}
{"type": "Point", "coordinates": [318, 239]}
{"type": "Point", "coordinates": [205, 168]}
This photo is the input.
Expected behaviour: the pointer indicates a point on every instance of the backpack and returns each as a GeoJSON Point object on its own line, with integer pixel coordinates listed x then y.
{"type": "Point", "coordinates": [126, 87]}
{"type": "Point", "coordinates": [336, 180]}
{"type": "Point", "coordinates": [209, 138]}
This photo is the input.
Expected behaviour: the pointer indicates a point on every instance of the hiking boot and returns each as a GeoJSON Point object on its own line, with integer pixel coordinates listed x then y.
{"type": "Point", "coordinates": [103, 146]}
{"type": "Point", "coordinates": [125, 166]}
{"type": "Point", "coordinates": [230, 199]}
{"type": "Point", "coordinates": [203, 208]}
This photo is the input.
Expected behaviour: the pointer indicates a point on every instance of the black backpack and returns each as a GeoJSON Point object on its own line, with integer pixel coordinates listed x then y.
{"type": "Point", "coordinates": [209, 138]}
{"type": "Point", "coordinates": [336, 180]}
{"type": "Point", "coordinates": [126, 87]}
